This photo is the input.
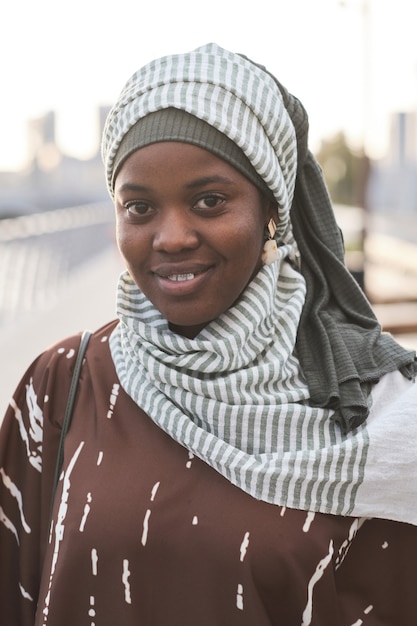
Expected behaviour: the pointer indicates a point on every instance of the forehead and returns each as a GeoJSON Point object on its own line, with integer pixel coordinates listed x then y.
{"type": "Point", "coordinates": [175, 160]}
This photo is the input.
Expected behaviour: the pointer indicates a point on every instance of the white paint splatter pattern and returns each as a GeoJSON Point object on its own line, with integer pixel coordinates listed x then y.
{"type": "Point", "coordinates": [17, 495]}
{"type": "Point", "coordinates": [309, 520]}
{"type": "Point", "coordinates": [33, 438]}
{"type": "Point", "coordinates": [125, 580]}
{"type": "Point", "coordinates": [344, 548]}
{"type": "Point", "coordinates": [35, 414]}
{"type": "Point", "coordinates": [86, 512]}
{"type": "Point", "coordinates": [145, 528]}
{"type": "Point", "coordinates": [24, 593]}
{"type": "Point", "coordinates": [6, 521]}
{"type": "Point", "coordinates": [59, 525]}
{"type": "Point", "coordinates": [92, 611]}
{"type": "Point", "coordinates": [94, 561]}
{"type": "Point", "coordinates": [154, 490]}
{"type": "Point", "coordinates": [113, 399]}
{"type": "Point", "coordinates": [244, 546]}
{"type": "Point", "coordinates": [366, 611]}
{"type": "Point", "coordinates": [239, 597]}
{"type": "Point", "coordinates": [320, 569]}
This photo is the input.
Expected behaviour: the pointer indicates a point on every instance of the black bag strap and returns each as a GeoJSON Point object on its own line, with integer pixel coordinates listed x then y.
{"type": "Point", "coordinates": [85, 338]}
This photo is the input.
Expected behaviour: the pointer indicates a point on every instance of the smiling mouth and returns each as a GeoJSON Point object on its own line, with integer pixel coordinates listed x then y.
{"type": "Point", "coordinates": [180, 278]}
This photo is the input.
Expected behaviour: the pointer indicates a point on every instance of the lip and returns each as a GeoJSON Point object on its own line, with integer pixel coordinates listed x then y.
{"type": "Point", "coordinates": [181, 280]}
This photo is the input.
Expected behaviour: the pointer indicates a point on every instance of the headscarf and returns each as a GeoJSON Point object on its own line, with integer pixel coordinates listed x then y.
{"type": "Point", "coordinates": [177, 125]}
{"type": "Point", "coordinates": [339, 341]}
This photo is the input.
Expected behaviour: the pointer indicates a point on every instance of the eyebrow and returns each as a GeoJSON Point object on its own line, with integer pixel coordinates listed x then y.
{"type": "Point", "coordinates": [208, 180]}
{"type": "Point", "coordinates": [199, 182]}
{"type": "Point", "coordinates": [133, 187]}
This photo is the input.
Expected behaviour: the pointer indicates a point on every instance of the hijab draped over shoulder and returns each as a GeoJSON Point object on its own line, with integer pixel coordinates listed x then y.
{"type": "Point", "coordinates": [339, 340]}
{"type": "Point", "coordinates": [301, 349]}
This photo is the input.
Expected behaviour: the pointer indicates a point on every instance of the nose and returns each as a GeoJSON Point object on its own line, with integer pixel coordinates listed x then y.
{"type": "Point", "coordinates": [175, 232]}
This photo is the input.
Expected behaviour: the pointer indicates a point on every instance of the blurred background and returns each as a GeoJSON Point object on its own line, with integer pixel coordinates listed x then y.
{"type": "Point", "coordinates": [352, 63]}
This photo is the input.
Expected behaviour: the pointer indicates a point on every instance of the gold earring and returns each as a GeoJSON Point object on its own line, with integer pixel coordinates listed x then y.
{"type": "Point", "coordinates": [270, 252]}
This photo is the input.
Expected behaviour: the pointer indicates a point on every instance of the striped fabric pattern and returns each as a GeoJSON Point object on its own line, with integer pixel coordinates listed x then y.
{"type": "Point", "coordinates": [235, 396]}
{"type": "Point", "coordinates": [230, 93]}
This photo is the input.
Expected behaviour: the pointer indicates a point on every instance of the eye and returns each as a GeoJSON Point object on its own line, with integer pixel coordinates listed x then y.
{"type": "Point", "coordinates": [209, 201]}
{"type": "Point", "coordinates": [138, 209]}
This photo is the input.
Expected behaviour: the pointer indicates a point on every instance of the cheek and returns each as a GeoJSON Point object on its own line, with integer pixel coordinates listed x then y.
{"type": "Point", "coordinates": [130, 250]}
{"type": "Point", "coordinates": [249, 238]}
{"type": "Point", "coordinates": [122, 240]}
{"type": "Point", "coordinates": [128, 239]}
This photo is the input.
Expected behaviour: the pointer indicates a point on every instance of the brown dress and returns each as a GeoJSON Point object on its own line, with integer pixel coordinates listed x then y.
{"type": "Point", "coordinates": [145, 534]}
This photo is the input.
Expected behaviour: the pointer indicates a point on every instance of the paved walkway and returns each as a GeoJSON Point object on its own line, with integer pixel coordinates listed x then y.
{"type": "Point", "coordinates": [88, 302]}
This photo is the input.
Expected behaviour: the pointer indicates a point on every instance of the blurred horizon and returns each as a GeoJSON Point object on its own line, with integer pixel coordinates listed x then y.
{"type": "Point", "coordinates": [353, 63]}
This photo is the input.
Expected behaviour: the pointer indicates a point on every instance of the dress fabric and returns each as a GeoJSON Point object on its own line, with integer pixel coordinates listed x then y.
{"type": "Point", "coordinates": [145, 534]}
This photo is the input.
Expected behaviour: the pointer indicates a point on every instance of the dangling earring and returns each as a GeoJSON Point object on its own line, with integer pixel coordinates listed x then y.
{"type": "Point", "coordinates": [270, 252]}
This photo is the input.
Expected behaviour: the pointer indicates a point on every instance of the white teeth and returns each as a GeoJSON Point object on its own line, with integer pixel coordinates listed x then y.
{"type": "Point", "coordinates": [181, 277]}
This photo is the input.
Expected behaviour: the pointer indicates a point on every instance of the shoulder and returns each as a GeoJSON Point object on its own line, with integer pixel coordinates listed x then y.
{"type": "Point", "coordinates": [60, 355]}
{"type": "Point", "coordinates": [45, 385]}
{"type": "Point", "coordinates": [394, 392]}
{"type": "Point", "coordinates": [72, 342]}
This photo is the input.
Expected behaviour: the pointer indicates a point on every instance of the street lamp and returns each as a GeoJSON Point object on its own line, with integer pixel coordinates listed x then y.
{"type": "Point", "coordinates": [366, 105]}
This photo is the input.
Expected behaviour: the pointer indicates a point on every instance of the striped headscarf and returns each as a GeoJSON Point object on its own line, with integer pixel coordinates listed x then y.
{"type": "Point", "coordinates": [280, 391]}
{"type": "Point", "coordinates": [229, 93]}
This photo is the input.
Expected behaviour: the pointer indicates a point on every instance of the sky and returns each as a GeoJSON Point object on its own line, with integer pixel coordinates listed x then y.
{"type": "Point", "coordinates": [351, 62]}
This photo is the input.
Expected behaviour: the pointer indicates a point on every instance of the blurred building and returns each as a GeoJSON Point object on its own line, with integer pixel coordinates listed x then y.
{"type": "Point", "coordinates": [54, 180]}
{"type": "Point", "coordinates": [393, 184]}
{"type": "Point", "coordinates": [51, 178]}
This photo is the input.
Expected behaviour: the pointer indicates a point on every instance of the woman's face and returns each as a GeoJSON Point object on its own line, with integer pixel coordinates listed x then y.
{"type": "Point", "coordinates": [191, 230]}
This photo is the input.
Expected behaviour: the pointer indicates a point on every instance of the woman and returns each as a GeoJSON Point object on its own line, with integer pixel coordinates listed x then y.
{"type": "Point", "coordinates": [241, 445]}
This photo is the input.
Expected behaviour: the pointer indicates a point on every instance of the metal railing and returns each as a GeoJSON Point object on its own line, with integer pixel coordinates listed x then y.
{"type": "Point", "coordinates": [38, 253]}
